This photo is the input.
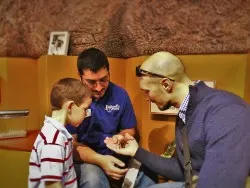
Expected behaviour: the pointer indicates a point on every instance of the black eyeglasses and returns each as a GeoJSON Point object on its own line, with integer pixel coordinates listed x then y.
{"type": "Point", "coordinates": [93, 83]}
{"type": "Point", "coordinates": [140, 72]}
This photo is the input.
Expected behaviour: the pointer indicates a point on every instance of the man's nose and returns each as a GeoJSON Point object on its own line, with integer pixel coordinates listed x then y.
{"type": "Point", "coordinates": [98, 87]}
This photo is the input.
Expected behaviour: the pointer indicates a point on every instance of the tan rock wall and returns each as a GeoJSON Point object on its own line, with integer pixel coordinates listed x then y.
{"type": "Point", "coordinates": [124, 28]}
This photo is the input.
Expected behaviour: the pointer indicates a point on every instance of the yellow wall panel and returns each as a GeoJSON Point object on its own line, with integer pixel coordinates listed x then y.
{"type": "Point", "coordinates": [231, 72]}
{"type": "Point", "coordinates": [3, 77]}
{"type": "Point", "coordinates": [133, 90]}
{"type": "Point", "coordinates": [14, 168]}
{"type": "Point", "coordinates": [42, 87]}
{"type": "Point", "coordinates": [117, 71]}
{"type": "Point", "coordinates": [19, 87]}
{"type": "Point", "coordinates": [227, 69]}
{"type": "Point", "coordinates": [247, 79]}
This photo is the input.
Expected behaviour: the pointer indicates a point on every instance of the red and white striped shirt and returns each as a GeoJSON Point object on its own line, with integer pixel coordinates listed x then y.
{"type": "Point", "coordinates": [51, 157]}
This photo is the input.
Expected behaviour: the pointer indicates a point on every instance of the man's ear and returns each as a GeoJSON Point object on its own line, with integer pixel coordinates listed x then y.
{"type": "Point", "coordinates": [167, 84]}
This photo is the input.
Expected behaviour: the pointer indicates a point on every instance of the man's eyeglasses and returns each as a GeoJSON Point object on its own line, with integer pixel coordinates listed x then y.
{"type": "Point", "coordinates": [93, 83]}
{"type": "Point", "coordinates": [140, 72]}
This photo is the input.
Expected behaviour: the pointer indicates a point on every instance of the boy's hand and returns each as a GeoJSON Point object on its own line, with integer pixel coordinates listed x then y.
{"type": "Point", "coordinates": [125, 145]}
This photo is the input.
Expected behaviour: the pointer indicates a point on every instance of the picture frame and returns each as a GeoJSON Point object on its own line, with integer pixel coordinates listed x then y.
{"type": "Point", "coordinates": [58, 43]}
{"type": "Point", "coordinates": [172, 110]}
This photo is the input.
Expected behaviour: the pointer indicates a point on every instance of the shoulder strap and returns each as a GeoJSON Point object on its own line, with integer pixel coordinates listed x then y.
{"type": "Point", "coordinates": [187, 161]}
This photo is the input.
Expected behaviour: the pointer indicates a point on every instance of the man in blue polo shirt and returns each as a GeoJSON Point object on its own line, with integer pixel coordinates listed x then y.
{"type": "Point", "coordinates": [112, 115]}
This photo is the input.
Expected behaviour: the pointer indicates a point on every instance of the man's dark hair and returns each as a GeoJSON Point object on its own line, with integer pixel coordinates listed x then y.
{"type": "Point", "coordinates": [92, 59]}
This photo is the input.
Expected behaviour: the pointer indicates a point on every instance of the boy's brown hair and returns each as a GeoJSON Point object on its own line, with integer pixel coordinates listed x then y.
{"type": "Point", "coordinates": [68, 89]}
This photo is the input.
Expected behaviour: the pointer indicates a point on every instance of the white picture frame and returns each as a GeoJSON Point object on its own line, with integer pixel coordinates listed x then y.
{"type": "Point", "coordinates": [58, 43]}
{"type": "Point", "coordinates": [172, 110]}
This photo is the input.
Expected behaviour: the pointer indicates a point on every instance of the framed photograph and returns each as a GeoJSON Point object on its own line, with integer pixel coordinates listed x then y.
{"type": "Point", "coordinates": [172, 110]}
{"type": "Point", "coordinates": [58, 43]}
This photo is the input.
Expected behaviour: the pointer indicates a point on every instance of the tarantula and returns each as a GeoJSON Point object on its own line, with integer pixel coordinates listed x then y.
{"type": "Point", "coordinates": [123, 143]}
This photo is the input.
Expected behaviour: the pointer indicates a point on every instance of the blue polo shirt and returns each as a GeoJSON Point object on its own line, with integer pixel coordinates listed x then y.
{"type": "Point", "coordinates": [109, 115]}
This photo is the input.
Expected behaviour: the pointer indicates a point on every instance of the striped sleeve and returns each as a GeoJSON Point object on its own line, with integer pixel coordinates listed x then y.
{"type": "Point", "coordinates": [52, 162]}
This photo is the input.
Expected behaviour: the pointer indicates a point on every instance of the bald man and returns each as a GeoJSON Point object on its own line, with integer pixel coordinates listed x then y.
{"type": "Point", "coordinates": [217, 124]}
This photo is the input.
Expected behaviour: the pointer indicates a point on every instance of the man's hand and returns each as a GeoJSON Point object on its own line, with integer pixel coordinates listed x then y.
{"type": "Point", "coordinates": [111, 165]}
{"type": "Point", "coordinates": [116, 138]}
{"type": "Point", "coordinates": [125, 145]}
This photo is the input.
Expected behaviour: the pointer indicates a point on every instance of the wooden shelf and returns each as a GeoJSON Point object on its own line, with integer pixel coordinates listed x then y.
{"type": "Point", "coordinates": [20, 144]}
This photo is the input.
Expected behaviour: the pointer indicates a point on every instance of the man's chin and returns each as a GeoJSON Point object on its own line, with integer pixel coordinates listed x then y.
{"type": "Point", "coordinates": [163, 108]}
{"type": "Point", "coordinates": [166, 107]}
{"type": "Point", "coordinates": [98, 95]}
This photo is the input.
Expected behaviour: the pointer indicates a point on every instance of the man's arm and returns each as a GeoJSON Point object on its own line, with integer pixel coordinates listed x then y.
{"type": "Point", "coordinates": [227, 159]}
{"type": "Point", "coordinates": [121, 134]}
{"type": "Point", "coordinates": [129, 131]}
{"type": "Point", "coordinates": [169, 168]}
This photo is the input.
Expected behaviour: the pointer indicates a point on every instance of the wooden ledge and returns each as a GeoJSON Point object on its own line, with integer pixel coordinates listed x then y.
{"type": "Point", "coordinates": [20, 144]}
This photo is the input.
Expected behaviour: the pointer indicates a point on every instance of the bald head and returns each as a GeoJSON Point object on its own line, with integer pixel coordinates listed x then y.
{"type": "Point", "coordinates": [163, 78]}
{"type": "Point", "coordinates": [166, 64]}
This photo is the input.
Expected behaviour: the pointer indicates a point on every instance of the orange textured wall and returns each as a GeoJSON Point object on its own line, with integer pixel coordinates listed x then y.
{"type": "Point", "coordinates": [126, 28]}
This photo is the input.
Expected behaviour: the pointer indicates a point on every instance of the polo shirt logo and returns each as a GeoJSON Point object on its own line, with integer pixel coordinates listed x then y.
{"type": "Point", "coordinates": [110, 108]}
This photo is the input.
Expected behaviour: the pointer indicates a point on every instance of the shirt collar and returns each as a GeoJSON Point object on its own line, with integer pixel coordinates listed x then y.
{"type": "Point", "coordinates": [183, 108]}
{"type": "Point", "coordinates": [184, 105]}
{"type": "Point", "coordinates": [59, 126]}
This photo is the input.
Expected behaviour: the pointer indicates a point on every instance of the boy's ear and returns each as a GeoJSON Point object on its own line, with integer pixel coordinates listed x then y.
{"type": "Point", "coordinates": [68, 105]}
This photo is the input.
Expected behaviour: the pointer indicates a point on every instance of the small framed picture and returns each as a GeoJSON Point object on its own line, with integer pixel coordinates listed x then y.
{"type": "Point", "coordinates": [172, 110]}
{"type": "Point", "coordinates": [58, 43]}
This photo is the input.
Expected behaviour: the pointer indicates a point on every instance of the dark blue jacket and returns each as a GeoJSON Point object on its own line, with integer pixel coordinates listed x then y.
{"type": "Point", "coordinates": [218, 124]}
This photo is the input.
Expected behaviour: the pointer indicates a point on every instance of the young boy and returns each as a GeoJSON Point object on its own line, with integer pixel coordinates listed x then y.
{"type": "Point", "coordinates": [51, 161]}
